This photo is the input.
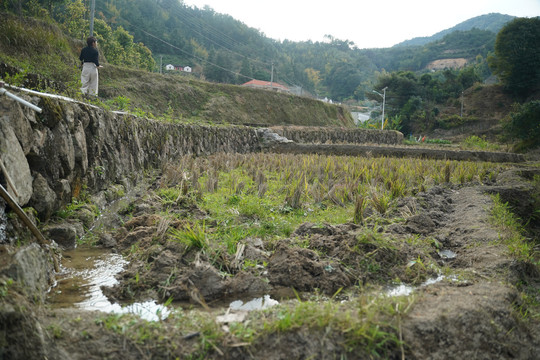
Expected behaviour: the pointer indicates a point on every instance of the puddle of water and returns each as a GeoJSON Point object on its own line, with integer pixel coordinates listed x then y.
{"type": "Point", "coordinates": [400, 290]}
{"type": "Point", "coordinates": [238, 310]}
{"type": "Point", "coordinates": [406, 290]}
{"type": "Point", "coordinates": [84, 271]}
{"type": "Point", "coordinates": [447, 254]}
{"type": "Point", "coordinates": [261, 303]}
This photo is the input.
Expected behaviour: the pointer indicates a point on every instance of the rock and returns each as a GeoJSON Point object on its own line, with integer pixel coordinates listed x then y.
{"type": "Point", "coordinates": [43, 197]}
{"type": "Point", "coordinates": [107, 240]}
{"type": "Point", "coordinates": [270, 137]}
{"type": "Point", "coordinates": [208, 280]}
{"type": "Point", "coordinates": [23, 337]}
{"type": "Point", "coordinates": [64, 235]}
{"type": "Point", "coordinates": [18, 170]}
{"type": "Point", "coordinates": [14, 115]}
{"type": "Point", "coordinates": [63, 191]}
{"type": "Point", "coordinates": [86, 214]}
{"type": "Point", "coordinates": [32, 269]}
{"type": "Point", "coordinates": [79, 145]}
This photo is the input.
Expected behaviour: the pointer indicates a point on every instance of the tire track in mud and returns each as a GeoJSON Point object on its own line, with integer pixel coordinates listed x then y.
{"type": "Point", "coordinates": [475, 318]}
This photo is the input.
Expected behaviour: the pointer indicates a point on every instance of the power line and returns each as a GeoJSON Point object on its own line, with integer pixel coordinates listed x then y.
{"type": "Point", "coordinates": [194, 21]}
{"type": "Point", "coordinates": [187, 53]}
{"type": "Point", "coordinates": [227, 42]}
{"type": "Point", "coordinates": [191, 20]}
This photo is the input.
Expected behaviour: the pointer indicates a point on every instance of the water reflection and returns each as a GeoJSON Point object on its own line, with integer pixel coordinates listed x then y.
{"type": "Point", "coordinates": [84, 271]}
{"type": "Point", "coordinates": [238, 310]}
{"type": "Point", "coordinates": [261, 303]}
{"type": "Point", "coordinates": [406, 290]}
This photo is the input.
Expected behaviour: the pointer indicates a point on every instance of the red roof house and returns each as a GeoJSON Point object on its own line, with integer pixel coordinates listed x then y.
{"type": "Point", "coordinates": [260, 84]}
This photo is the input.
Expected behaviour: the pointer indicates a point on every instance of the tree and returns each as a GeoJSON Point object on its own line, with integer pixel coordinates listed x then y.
{"type": "Point", "coordinates": [517, 56]}
{"type": "Point", "coordinates": [72, 19]}
{"type": "Point", "coordinates": [523, 123]}
{"type": "Point", "coordinates": [246, 71]}
{"type": "Point", "coordinates": [342, 80]}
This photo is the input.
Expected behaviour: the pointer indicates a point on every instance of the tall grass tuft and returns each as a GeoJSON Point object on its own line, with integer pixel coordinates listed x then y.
{"type": "Point", "coordinates": [191, 237]}
{"type": "Point", "coordinates": [380, 201]}
{"type": "Point", "coordinates": [447, 172]}
{"type": "Point", "coordinates": [294, 196]}
{"type": "Point", "coordinates": [359, 207]}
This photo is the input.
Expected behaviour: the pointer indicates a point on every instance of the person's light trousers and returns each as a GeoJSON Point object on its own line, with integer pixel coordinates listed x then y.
{"type": "Point", "coordinates": [89, 79]}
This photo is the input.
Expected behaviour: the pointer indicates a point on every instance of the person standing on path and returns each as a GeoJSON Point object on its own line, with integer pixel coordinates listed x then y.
{"type": "Point", "coordinates": [90, 64]}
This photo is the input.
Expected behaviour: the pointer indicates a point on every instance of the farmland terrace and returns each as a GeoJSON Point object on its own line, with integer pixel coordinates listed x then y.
{"type": "Point", "coordinates": [358, 246]}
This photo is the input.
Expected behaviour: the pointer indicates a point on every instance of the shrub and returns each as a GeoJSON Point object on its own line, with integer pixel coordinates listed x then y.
{"type": "Point", "coordinates": [524, 123]}
{"type": "Point", "coordinates": [453, 121]}
{"type": "Point", "coordinates": [476, 142]}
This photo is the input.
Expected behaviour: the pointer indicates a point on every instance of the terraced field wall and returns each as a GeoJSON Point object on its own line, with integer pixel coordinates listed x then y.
{"type": "Point", "coordinates": [50, 156]}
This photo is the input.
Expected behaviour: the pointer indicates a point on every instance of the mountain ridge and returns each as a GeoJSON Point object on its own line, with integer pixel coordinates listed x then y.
{"type": "Point", "coordinates": [492, 22]}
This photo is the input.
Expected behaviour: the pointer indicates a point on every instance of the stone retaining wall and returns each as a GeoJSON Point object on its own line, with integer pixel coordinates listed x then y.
{"type": "Point", "coordinates": [336, 135]}
{"type": "Point", "coordinates": [49, 156]}
{"type": "Point", "coordinates": [52, 155]}
{"type": "Point", "coordinates": [401, 152]}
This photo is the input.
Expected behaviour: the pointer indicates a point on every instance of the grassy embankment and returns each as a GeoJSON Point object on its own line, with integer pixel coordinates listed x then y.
{"type": "Point", "coordinates": [37, 54]}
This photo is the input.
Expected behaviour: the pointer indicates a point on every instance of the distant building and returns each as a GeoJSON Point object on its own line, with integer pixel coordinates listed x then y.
{"type": "Point", "coordinates": [171, 67]}
{"type": "Point", "coordinates": [260, 84]}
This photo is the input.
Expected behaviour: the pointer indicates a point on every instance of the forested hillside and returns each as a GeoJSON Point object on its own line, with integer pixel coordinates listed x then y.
{"type": "Point", "coordinates": [150, 34]}
{"type": "Point", "coordinates": [425, 84]}
{"type": "Point", "coordinates": [222, 49]}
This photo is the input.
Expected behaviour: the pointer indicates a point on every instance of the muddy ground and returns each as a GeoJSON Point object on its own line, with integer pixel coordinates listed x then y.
{"type": "Point", "coordinates": [483, 306]}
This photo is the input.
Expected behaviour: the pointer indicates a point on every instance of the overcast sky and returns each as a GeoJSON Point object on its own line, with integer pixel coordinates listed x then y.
{"type": "Point", "coordinates": [367, 23]}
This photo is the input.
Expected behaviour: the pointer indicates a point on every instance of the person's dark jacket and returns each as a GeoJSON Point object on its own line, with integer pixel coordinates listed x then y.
{"type": "Point", "coordinates": [89, 54]}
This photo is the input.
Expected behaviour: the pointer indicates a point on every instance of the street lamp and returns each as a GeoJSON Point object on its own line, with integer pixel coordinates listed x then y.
{"type": "Point", "coordinates": [383, 95]}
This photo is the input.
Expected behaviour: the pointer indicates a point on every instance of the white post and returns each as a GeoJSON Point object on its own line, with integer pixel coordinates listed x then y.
{"type": "Point", "coordinates": [383, 95]}
{"type": "Point", "coordinates": [461, 113]}
{"type": "Point", "coordinates": [272, 76]}
{"type": "Point", "coordinates": [383, 101]}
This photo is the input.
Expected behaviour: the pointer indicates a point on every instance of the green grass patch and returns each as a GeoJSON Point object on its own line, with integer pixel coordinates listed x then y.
{"type": "Point", "coordinates": [369, 325]}
{"type": "Point", "coordinates": [511, 230]}
{"type": "Point", "coordinates": [475, 142]}
{"type": "Point", "coordinates": [268, 195]}
{"type": "Point", "coordinates": [191, 236]}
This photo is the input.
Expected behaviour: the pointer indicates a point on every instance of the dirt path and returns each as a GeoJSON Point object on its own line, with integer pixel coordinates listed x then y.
{"type": "Point", "coordinates": [475, 317]}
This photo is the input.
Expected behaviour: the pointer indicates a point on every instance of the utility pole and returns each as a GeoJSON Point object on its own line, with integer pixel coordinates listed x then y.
{"type": "Point", "coordinates": [461, 114]}
{"type": "Point", "coordinates": [383, 95]}
{"type": "Point", "coordinates": [161, 64]}
{"type": "Point", "coordinates": [272, 76]}
{"type": "Point", "coordinates": [92, 10]}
